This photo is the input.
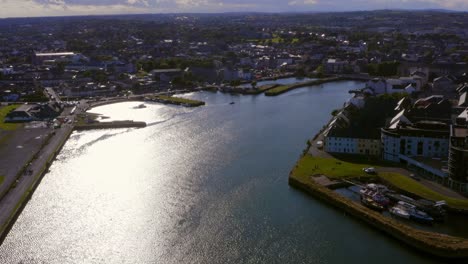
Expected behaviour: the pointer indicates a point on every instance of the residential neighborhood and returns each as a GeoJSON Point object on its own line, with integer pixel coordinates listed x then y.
{"type": "Point", "coordinates": [111, 125]}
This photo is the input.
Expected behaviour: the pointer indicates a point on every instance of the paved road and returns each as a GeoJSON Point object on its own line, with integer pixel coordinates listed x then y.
{"type": "Point", "coordinates": [9, 203]}
{"type": "Point", "coordinates": [16, 149]}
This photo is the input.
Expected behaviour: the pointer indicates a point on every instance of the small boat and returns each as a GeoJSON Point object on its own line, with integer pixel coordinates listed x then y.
{"type": "Point", "coordinates": [367, 201]}
{"type": "Point", "coordinates": [421, 217]}
{"type": "Point", "coordinates": [140, 106]}
{"type": "Point", "coordinates": [400, 212]}
{"type": "Point", "coordinates": [376, 193]}
{"type": "Point", "coordinates": [415, 214]}
{"type": "Point", "coordinates": [231, 103]}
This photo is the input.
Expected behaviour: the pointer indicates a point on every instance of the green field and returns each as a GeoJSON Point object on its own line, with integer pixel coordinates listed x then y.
{"type": "Point", "coordinates": [278, 90]}
{"type": "Point", "coordinates": [3, 112]}
{"type": "Point", "coordinates": [178, 100]}
{"type": "Point", "coordinates": [412, 186]}
{"type": "Point", "coordinates": [333, 168]}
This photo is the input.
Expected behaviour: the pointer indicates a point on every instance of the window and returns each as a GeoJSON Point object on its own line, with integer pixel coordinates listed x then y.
{"type": "Point", "coordinates": [420, 148]}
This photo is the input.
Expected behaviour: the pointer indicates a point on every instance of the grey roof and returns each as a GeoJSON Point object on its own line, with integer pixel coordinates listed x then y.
{"type": "Point", "coordinates": [463, 99]}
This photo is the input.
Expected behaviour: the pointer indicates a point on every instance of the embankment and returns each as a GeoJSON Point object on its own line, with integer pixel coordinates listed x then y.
{"type": "Point", "coordinates": [108, 125]}
{"type": "Point", "coordinates": [439, 245]}
{"type": "Point", "coordinates": [36, 180]}
{"type": "Point", "coordinates": [176, 101]}
{"type": "Point", "coordinates": [249, 91]}
{"type": "Point", "coordinates": [285, 88]}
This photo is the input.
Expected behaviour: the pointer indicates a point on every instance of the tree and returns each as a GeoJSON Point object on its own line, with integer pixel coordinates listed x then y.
{"type": "Point", "coordinates": [320, 71]}
{"type": "Point", "coordinates": [254, 84]}
{"type": "Point", "coordinates": [235, 82]}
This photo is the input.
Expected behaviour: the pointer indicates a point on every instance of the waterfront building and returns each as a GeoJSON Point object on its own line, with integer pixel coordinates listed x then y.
{"type": "Point", "coordinates": [344, 136]}
{"type": "Point", "coordinates": [419, 136]}
{"type": "Point", "coordinates": [409, 85]}
{"type": "Point", "coordinates": [458, 154]}
{"type": "Point", "coordinates": [425, 139]}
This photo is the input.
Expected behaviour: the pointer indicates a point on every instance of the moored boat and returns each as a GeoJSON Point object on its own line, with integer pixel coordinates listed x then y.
{"type": "Point", "coordinates": [367, 201]}
{"type": "Point", "coordinates": [400, 212]}
{"type": "Point", "coordinates": [415, 214]}
{"type": "Point", "coordinates": [376, 193]}
{"type": "Point", "coordinates": [421, 217]}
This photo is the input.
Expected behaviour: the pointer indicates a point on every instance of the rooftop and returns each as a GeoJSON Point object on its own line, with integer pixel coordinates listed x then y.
{"type": "Point", "coordinates": [55, 54]}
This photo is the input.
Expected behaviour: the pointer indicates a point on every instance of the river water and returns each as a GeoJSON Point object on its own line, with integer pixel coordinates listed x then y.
{"type": "Point", "coordinates": [198, 185]}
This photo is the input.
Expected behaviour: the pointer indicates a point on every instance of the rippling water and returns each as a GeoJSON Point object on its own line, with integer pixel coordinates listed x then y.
{"type": "Point", "coordinates": [202, 185]}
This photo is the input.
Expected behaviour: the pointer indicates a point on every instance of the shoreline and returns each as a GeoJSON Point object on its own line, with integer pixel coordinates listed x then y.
{"type": "Point", "coordinates": [32, 186]}
{"type": "Point", "coordinates": [436, 244]}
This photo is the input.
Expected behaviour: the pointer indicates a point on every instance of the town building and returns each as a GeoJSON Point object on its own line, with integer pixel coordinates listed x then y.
{"type": "Point", "coordinates": [458, 154]}
{"type": "Point", "coordinates": [342, 136]}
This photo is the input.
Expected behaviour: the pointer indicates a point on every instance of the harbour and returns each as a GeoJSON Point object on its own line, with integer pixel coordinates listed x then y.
{"type": "Point", "coordinates": [222, 197]}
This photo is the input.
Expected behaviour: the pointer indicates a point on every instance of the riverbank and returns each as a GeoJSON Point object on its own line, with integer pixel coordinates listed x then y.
{"type": "Point", "coordinates": [17, 198]}
{"type": "Point", "coordinates": [431, 243]}
{"type": "Point", "coordinates": [315, 163]}
{"type": "Point", "coordinates": [286, 88]}
{"type": "Point", "coordinates": [110, 125]}
{"type": "Point", "coordinates": [175, 100]}
{"type": "Point", "coordinates": [250, 91]}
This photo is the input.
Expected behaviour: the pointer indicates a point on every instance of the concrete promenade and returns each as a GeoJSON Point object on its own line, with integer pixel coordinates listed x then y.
{"type": "Point", "coordinates": [16, 198]}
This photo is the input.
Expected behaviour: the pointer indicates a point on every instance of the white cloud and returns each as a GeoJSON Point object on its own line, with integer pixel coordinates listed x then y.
{"type": "Point", "coordinates": [11, 8]}
{"type": "Point", "coordinates": [30, 8]}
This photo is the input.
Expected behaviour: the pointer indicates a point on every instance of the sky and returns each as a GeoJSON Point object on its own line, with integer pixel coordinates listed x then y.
{"type": "Point", "coordinates": [32, 8]}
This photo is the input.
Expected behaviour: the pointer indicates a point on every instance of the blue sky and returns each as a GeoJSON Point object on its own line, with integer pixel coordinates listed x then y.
{"type": "Point", "coordinates": [20, 8]}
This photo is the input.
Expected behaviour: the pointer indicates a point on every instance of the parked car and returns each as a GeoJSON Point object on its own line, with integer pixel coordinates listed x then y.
{"type": "Point", "coordinates": [319, 144]}
{"type": "Point", "coordinates": [370, 170]}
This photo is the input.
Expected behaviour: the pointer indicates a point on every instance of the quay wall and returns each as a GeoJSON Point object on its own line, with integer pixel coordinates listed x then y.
{"type": "Point", "coordinates": [288, 88]}
{"type": "Point", "coordinates": [107, 125]}
{"type": "Point", "coordinates": [435, 244]}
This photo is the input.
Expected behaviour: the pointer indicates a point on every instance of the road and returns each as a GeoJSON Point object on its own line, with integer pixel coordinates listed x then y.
{"type": "Point", "coordinates": [10, 203]}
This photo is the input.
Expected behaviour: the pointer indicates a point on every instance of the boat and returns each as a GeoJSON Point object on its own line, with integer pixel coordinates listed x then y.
{"type": "Point", "coordinates": [367, 201]}
{"type": "Point", "coordinates": [140, 106]}
{"type": "Point", "coordinates": [231, 103]}
{"type": "Point", "coordinates": [376, 193]}
{"type": "Point", "coordinates": [415, 214]}
{"type": "Point", "coordinates": [400, 212]}
{"type": "Point", "coordinates": [434, 209]}
{"type": "Point", "coordinates": [421, 217]}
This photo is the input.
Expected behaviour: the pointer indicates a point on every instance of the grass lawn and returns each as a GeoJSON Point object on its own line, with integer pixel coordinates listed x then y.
{"type": "Point", "coordinates": [338, 169]}
{"type": "Point", "coordinates": [333, 168]}
{"type": "Point", "coordinates": [172, 99]}
{"type": "Point", "coordinates": [415, 187]}
{"type": "Point", "coordinates": [278, 90]}
{"type": "Point", "coordinates": [3, 112]}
